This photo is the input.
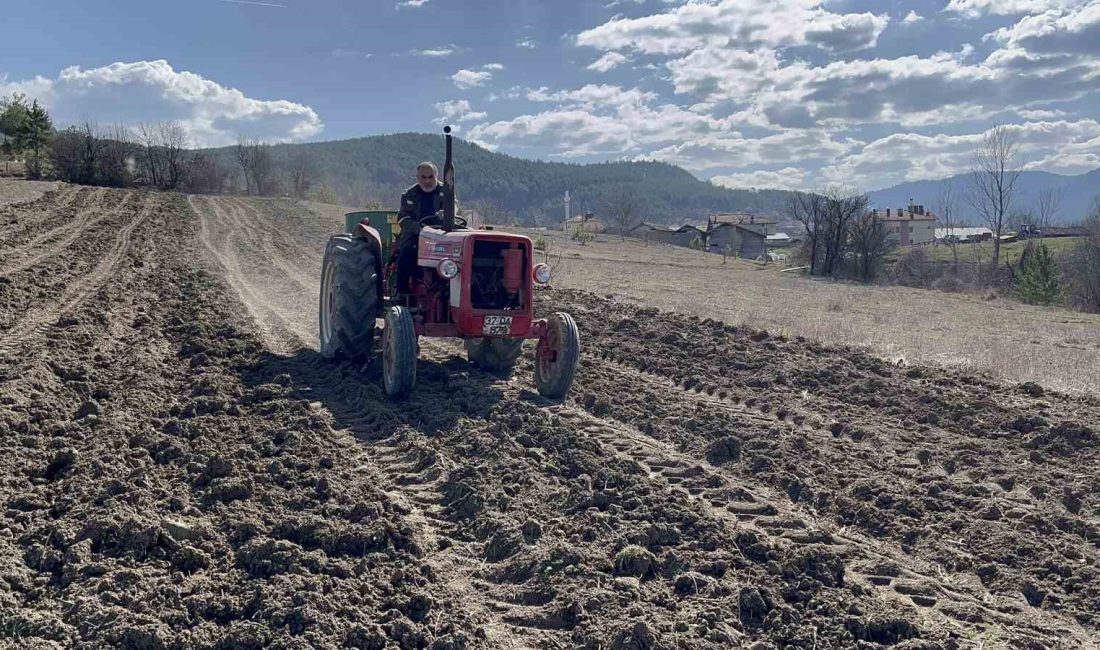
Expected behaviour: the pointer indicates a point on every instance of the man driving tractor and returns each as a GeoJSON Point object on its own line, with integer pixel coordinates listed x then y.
{"type": "Point", "coordinates": [425, 199]}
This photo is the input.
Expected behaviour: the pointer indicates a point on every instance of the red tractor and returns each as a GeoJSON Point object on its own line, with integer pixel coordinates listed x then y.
{"type": "Point", "coordinates": [477, 285]}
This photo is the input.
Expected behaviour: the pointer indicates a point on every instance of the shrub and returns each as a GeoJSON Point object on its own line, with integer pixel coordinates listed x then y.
{"type": "Point", "coordinates": [1038, 280]}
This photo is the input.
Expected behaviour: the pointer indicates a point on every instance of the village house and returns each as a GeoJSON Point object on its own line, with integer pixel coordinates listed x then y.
{"type": "Point", "coordinates": [740, 240]}
{"type": "Point", "coordinates": [584, 221]}
{"type": "Point", "coordinates": [753, 222]}
{"type": "Point", "coordinates": [909, 227]}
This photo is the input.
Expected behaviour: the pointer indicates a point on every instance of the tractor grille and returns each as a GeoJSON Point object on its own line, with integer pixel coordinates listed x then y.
{"type": "Point", "coordinates": [487, 290]}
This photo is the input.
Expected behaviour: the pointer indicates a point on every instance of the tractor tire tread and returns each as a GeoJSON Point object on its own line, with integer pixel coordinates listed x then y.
{"type": "Point", "coordinates": [355, 298]}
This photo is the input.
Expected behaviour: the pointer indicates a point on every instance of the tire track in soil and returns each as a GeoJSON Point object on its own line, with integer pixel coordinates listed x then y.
{"type": "Point", "coordinates": [220, 234]}
{"type": "Point", "coordinates": [269, 239]}
{"type": "Point", "coordinates": [890, 455]}
{"type": "Point", "coordinates": [36, 212]}
{"type": "Point", "coordinates": [37, 321]}
{"type": "Point", "coordinates": [71, 231]}
{"type": "Point", "coordinates": [412, 473]}
{"type": "Point", "coordinates": [358, 410]}
{"type": "Point", "coordinates": [909, 579]}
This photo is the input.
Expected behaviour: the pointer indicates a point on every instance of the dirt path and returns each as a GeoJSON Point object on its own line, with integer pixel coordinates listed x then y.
{"type": "Point", "coordinates": [182, 469]}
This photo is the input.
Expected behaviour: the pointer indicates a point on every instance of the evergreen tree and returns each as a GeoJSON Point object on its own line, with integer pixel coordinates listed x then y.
{"type": "Point", "coordinates": [1038, 280]}
{"type": "Point", "coordinates": [34, 135]}
{"type": "Point", "coordinates": [13, 113]}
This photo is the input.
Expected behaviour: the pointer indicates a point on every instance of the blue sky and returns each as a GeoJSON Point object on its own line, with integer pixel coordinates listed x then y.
{"type": "Point", "coordinates": [785, 93]}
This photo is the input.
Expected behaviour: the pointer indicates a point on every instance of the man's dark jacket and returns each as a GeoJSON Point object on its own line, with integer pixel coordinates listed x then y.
{"type": "Point", "coordinates": [410, 213]}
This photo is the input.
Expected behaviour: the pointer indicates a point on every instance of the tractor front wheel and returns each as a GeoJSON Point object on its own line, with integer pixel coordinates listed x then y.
{"type": "Point", "coordinates": [556, 358]}
{"type": "Point", "coordinates": [493, 354]}
{"type": "Point", "coordinates": [398, 352]}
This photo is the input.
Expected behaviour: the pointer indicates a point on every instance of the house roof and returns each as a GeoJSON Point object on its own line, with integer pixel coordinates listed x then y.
{"type": "Point", "coordinates": [962, 232]}
{"type": "Point", "coordinates": [905, 215]}
{"type": "Point", "coordinates": [736, 218]}
{"type": "Point", "coordinates": [779, 236]}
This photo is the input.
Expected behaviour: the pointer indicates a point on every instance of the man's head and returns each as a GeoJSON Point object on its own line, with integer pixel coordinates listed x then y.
{"type": "Point", "coordinates": [426, 176]}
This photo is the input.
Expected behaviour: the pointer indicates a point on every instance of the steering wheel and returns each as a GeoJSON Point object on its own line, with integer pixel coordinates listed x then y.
{"type": "Point", "coordinates": [437, 218]}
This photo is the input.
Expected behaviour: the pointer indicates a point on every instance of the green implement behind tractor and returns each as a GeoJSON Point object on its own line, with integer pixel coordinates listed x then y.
{"type": "Point", "coordinates": [384, 221]}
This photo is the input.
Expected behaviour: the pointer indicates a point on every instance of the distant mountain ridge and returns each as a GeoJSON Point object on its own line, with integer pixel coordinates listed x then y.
{"type": "Point", "coordinates": [379, 168]}
{"type": "Point", "coordinates": [1079, 194]}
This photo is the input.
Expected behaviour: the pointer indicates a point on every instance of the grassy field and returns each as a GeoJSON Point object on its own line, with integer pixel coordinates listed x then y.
{"type": "Point", "coordinates": [1055, 347]}
{"type": "Point", "coordinates": [1010, 252]}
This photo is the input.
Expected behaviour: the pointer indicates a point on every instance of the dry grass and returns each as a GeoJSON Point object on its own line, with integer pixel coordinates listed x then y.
{"type": "Point", "coordinates": [1057, 348]}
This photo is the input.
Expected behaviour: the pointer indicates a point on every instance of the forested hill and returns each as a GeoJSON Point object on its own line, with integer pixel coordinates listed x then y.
{"type": "Point", "coordinates": [378, 168]}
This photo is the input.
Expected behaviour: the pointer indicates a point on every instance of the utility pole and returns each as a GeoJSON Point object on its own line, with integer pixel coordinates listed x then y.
{"type": "Point", "coordinates": [567, 214]}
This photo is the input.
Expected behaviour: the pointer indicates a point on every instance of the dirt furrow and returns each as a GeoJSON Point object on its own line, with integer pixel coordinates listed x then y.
{"type": "Point", "coordinates": [949, 597]}
{"type": "Point", "coordinates": [945, 496]}
{"type": "Point", "coordinates": [273, 242]}
{"type": "Point", "coordinates": [38, 249]}
{"type": "Point", "coordinates": [226, 238]}
{"type": "Point", "coordinates": [20, 217]}
{"type": "Point", "coordinates": [35, 321]}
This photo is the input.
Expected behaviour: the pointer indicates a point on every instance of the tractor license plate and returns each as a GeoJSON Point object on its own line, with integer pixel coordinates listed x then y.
{"type": "Point", "coordinates": [497, 326]}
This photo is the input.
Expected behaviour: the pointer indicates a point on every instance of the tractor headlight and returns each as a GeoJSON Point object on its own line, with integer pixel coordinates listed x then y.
{"type": "Point", "coordinates": [447, 269]}
{"type": "Point", "coordinates": [542, 273]}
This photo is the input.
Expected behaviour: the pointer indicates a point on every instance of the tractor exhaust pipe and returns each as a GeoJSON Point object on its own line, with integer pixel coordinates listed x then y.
{"type": "Point", "coordinates": [448, 184]}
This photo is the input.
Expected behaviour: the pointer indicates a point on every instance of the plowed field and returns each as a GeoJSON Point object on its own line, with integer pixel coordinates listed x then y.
{"type": "Point", "coordinates": [180, 469]}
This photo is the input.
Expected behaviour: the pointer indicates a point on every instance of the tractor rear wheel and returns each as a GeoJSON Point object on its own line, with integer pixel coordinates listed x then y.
{"type": "Point", "coordinates": [556, 358]}
{"type": "Point", "coordinates": [349, 298]}
{"type": "Point", "coordinates": [399, 350]}
{"type": "Point", "coordinates": [494, 354]}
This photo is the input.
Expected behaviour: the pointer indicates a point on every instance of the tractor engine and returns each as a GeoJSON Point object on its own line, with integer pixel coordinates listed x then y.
{"type": "Point", "coordinates": [497, 277]}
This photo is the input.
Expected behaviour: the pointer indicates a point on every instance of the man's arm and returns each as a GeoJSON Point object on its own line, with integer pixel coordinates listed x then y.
{"type": "Point", "coordinates": [406, 214]}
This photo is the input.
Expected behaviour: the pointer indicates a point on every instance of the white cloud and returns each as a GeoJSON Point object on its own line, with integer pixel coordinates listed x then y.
{"type": "Point", "coordinates": [1070, 32]}
{"type": "Point", "coordinates": [909, 90]}
{"type": "Point", "coordinates": [147, 91]}
{"type": "Point", "coordinates": [526, 44]}
{"type": "Point", "coordinates": [608, 61]}
{"type": "Point", "coordinates": [437, 53]}
{"type": "Point", "coordinates": [1060, 146]}
{"type": "Point", "coordinates": [603, 120]}
{"type": "Point", "coordinates": [411, 3]}
{"type": "Point", "coordinates": [456, 111]}
{"type": "Point", "coordinates": [912, 18]}
{"type": "Point", "coordinates": [737, 24]}
{"type": "Point", "coordinates": [733, 150]}
{"type": "Point", "coordinates": [593, 95]}
{"type": "Point", "coordinates": [977, 8]}
{"type": "Point", "coordinates": [788, 178]}
{"type": "Point", "coordinates": [492, 66]}
{"type": "Point", "coordinates": [466, 79]}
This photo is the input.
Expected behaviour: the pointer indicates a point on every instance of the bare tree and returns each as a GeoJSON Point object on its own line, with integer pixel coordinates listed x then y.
{"type": "Point", "coordinates": [842, 207]}
{"type": "Point", "coordinates": [869, 242]}
{"type": "Point", "coordinates": [243, 156]}
{"type": "Point", "coordinates": [300, 168]}
{"type": "Point", "coordinates": [621, 207]}
{"type": "Point", "coordinates": [946, 206]}
{"type": "Point", "coordinates": [205, 175]}
{"type": "Point", "coordinates": [808, 209]}
{"type": "Point", "coordinates": [995, 172]}
{"type": "Point", "coordinates": [263, 169]}
{"type": "Point", "coordinates": [1085, 278]}
{"type": "Point", "coordinates": [257, 167]}
{"type": "Point", "coordinates": [117, 162]}
{"type": "Point", "coordinates": [1047, 207]}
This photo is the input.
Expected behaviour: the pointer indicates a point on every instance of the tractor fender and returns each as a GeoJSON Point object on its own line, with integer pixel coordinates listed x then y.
{"type": "Point", "coordinates": [366, 232]}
